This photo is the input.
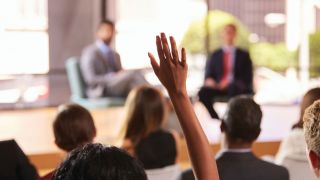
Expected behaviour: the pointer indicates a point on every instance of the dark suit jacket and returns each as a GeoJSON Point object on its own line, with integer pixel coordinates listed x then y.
{"type": "Point", "coordinates": [14, 165]}
{"type": "Point", "coordinates": [242, 71]}
{"type": "Point", "coordinates": [244, 166]}
{"type": "Point", "coordinates": [95, 69]}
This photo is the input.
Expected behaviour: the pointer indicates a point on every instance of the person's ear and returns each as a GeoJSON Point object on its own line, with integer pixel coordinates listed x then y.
{"type": "Point", "coordinates": [315, 162]}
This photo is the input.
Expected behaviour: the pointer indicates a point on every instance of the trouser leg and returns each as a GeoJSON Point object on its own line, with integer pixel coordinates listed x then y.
{"type": "Point", "coordinates": [206, 97]}
{"type": "Point", "coordinates": [124, 82]}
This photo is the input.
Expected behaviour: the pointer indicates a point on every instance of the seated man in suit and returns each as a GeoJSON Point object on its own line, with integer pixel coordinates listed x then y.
{"type": "Point", "coordinates": [101, 67]}
{"type": "Point", "coordinates": [240, 128]}
{"type": "Point", "coordinates": [14, 164]}
{"type": "Point", "coordinates": [311, 126]}
{"type": "Point", "coordinates": [228, 72]}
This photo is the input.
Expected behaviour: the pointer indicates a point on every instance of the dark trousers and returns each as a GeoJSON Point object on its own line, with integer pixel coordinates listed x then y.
{"type": "Point", "coordinates": [207, 97]}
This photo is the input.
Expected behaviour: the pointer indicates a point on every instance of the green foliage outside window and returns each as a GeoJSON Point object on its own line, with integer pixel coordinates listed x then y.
{"type": "Point", "coordinates": [195, 37]}
{"type": "Point", "coordinates": [314, 45]}
{"type": "Point", "coordinates": [274, 56]}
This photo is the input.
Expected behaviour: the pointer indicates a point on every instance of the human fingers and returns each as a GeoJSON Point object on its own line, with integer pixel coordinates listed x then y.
{"type": "Point", "coordinates": [165, 47]}
{"type": "Point", "coordinates": [159, 49]}
{"type": "Point", "coordinates": [175, 55]}
{"type": "Point", "coordinates": [183, 57]}
{"type": "Point", "coordinates": [154, 64]}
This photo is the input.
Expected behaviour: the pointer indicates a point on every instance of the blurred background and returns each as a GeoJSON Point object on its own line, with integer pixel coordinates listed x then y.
{"type": "Point", "coordinates": [37, 36]}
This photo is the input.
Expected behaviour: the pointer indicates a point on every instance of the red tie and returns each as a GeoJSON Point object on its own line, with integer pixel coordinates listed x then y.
{"type": "Point", "coordinates": [226, 65]}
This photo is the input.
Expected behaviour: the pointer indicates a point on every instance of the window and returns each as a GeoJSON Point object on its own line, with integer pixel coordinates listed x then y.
{"type": "Point", "coordinates": [24, 52]}
{"type": "Point", "coordinates": [24, 37]}
{"type": "Point", "coordinates": [138, 25]}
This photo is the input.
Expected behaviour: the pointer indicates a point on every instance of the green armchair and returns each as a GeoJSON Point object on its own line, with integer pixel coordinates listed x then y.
{"type": "Point", "coordinates": [77, 87]}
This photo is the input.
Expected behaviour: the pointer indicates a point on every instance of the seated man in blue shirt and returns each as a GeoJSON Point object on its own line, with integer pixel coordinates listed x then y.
{"type": "Point", "coordinates": [101, 67]}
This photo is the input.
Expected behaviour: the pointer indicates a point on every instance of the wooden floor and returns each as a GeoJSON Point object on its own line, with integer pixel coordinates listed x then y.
{"type": "Point", "coordinates": [32, 129]}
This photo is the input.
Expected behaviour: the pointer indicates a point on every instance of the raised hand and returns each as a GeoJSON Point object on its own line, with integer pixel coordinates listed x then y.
{"type": "Point", "coordinates": [172, 71]}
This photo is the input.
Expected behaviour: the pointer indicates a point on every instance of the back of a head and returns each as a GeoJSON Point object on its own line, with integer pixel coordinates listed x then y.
{"type": "Point", "coordinates": [73, 127]}
{"type": "Point", "coordinates": [98, 162]}
{"type": "Point", "coordinates": [145, 112]}
{"type": "Point", "coordinates": [308, 99]}
{"type": "Point", "coordinates": [242, 120]}
{"type": "Point", "coordinates": [311, 127]}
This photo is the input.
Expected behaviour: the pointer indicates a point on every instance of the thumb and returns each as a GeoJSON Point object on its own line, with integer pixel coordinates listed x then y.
{"type": "Point", "coordinates": [154, 64]}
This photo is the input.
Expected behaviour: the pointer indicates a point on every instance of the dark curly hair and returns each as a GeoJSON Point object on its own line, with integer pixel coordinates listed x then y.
{"type": "Point", "coordinates": [98, 162]}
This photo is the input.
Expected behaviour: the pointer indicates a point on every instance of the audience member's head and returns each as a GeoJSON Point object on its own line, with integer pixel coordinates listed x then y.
{"type": "Point", "coordinates": [73, 127]}
{"type": "Point", "coordinates": [241, 123]}
{"type": "Point", "coordinates": [229, 34]}
{"type": "Point", "coordinates": [311, 128]}
{"type": "Point", "coordinates": [308, 99]}
{"type": "Point", "coordinates": [95, 162]}
{"type": "Point", "coordinates": [105, 31]}
{"type": "Point", "coordinates": [145, 113]}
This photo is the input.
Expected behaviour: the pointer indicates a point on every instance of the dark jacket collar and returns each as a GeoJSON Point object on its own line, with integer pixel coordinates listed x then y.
{"type": "Point", "coordinates": [236, 156]}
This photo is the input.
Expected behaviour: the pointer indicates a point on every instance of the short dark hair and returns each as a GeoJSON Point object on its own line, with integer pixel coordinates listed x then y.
{"type": "Point", "coordinates": [95, 161]}
{"type": "Point", "coordinates": [242, 120]}
{"type": "Point", "coordinates": [106, 21]}
{"type": "Point", "coordinates": [231, 25]}
{"type": "Point", "coordinates": [73, 127]}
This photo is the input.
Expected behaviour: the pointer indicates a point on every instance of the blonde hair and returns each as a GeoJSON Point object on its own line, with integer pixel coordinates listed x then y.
{"type": "Point", "coordinates": [144, 113]}
{"type": "Point", "coordinates": [311, 127]}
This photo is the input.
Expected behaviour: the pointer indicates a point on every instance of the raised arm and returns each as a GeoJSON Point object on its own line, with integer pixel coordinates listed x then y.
{"type": "Point", "coordinates": [172, 72]}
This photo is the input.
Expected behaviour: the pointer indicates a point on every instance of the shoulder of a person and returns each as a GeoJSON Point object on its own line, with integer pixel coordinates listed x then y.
{"type": "Point", "coordinates": [242, 50]}
{"type": "Point", "coordinates": [162, 135]}
{"type": "Point", "coordinates": [116, 53]}
{"type": "Point", "coordinates": [168, 132]}
{"type": "Point", "coordinates": [10, 148]}
{"type": "Point", "coordinates": [217, 51]}
{"type": "Point", "coordinates": [296, 135]}
{"type": "Point", "coordinates": [90, 48]}
{"type": "Point", "coordinates": [187, 175]}
{"type": "Point", "coordinates": [9, 143]}
{"type": "Point", "coordinates": [213, 57]}
{"type": "Point", "coordinates": [296, 131]}
{"type": "Point", "coordinates": [274, 168]}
